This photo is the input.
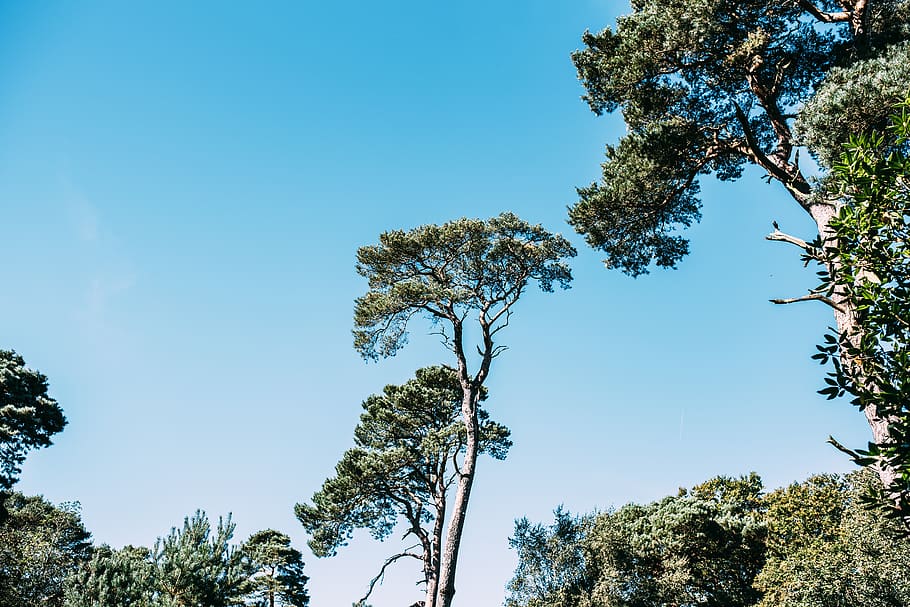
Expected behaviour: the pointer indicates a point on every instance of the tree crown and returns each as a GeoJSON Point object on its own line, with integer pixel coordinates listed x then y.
{"type": "Point", "coordinates": [406, 442]}
{"type": "Point", "coordinates": [448, 271]}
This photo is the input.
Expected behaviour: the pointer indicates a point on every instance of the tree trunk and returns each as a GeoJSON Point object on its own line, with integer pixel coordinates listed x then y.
{"type": "Point", "coordinates": [846, 328]}
{"type": "Point", "coordinates": [432, 565]}
{"type": "Point", "coordinates": [463, 493]}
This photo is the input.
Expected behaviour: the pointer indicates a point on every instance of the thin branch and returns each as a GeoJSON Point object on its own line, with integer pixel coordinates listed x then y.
{"type": "Point", "coordinates": [381, 574]}
{"type": "Point", "coordinates": [498, 350]}
{"type": "Point", "coordinates": [811, 297]}
{"type": "Point", "coordinates": [799, 242]}
{"type": "Point", "coordinates": [841, 448]}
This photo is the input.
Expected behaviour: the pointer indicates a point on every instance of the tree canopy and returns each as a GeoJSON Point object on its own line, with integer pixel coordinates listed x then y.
{"type": "Point", "coordinates": [724, 542]}
{"type": "Point", "coordinates": [708, 86]}
{"type": "Point", "coordinates": [114, 578]}
{"type": "Point", "coordinates": [450, 270]}
{"type": "Point", "coordinates": [198, 567]}
{"type": "Point", "coordinates": [277, 577]}
{"type": "Point", "coordinates": [402, 468]}
{"type": "Point", "coordinates": [28, 416]}
{"type": "Point", "coordinates": [41, 545]}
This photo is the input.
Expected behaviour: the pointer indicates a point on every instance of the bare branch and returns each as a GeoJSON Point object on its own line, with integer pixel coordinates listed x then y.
{"type": "Point", "coordinates": [799, 242]}
{"type": "Point", "coordinates": [841, 448]}
{"type": "Point", "coordinates": [381, 574]}
{"type": "Point", "coordinates": [811, 297]}
{"type": "Point", "coordinates": [498, 350]}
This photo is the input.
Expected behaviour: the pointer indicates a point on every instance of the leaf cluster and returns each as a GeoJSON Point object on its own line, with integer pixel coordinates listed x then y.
{"type": "Point", "coordinates": [724, 542]}
{"type": "Point", "coordinates": [278, 577]}
{"type": "Point", "coordinates": [197, 565]}
{"type": "Point", "coordinates": [404, 461]}
{"type": "Point", "coordinates": [41, 545]}
{"type": "Point", "coordinates": [447, 271]}
{"type": "Point", "coordinates": [868, 261]}
{"type": "Point", "coordinates": [28, 416]}
{"type": "Point", "coordinates": [708, 86]}
{"type": "Point", "coordinates": [682, 550]}
{"type": "Point", "coordinates": [826, 548]}
{"type": "Point", "coordinates": [704, 86]}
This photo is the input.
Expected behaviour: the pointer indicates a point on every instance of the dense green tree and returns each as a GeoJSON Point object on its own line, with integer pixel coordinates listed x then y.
{"type": "Point", "coordinates": [553, 566]}
{"type": "Point", "coordinates": [198, 568]}
{"type": "Point", "coordinates": [682, 550]}
{"type": "Point", "coordinates": [277, 567]}
{"type": "Point", "coordinates": [114, 578]}
{"type": "Point", "coordinates": [870, 269]}
{"type": "Point", "coordinates": [40, 546]}
{"type": "Point", "coordinates": [448, 273]}
{"type": "Point", "coordinates": [28, 418]}
{"type": "Point", "coordinates": [710, 86]}
{"type": "Point", "coordinates": [403, 467]}
{"type": "Point", "coordinates": [826, 550]}
{"type": "Point", "coordinates": [724, 542]}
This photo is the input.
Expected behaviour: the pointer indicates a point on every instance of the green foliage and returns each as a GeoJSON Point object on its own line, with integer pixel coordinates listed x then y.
{"type": "Point", "coordinates": [195, 566]}
{"type": "Point", "coordinates": [401, 465]}
{"type": "Point", "coordinates": [449, 270]}
{"type": "Point", "coordinates": [706, 87]}
{"type": "Point", "coordinates": [682, 550]}
{"type": "Point", "coordinates": [277, 577]}
{"type": "Point", "coordinates": [858, 98]}
{"type": "Point", "coordinates": [40, 546]}
{"type": "Point", "coordinates": [827, 550]}
{"type": "Point", "coordinates": [552, 566]}
{"type": "Point", "coordinates": [28, 416]}
{"type": "Point", "coordinates": [869, 261]}
{"type": "Point", "coordinates": [198, 567]}
{"type": "Point", "coordinates": [114, 578]}
{"type": "Point", "coordinates": [725, 542]}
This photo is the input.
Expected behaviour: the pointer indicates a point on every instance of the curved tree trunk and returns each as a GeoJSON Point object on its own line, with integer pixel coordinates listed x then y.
{"type": "Point", "coordinates": [463, 493]}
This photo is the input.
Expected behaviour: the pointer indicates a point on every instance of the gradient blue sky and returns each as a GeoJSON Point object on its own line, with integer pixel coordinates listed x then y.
{"type": "Point", "coordinates": [184, 185]}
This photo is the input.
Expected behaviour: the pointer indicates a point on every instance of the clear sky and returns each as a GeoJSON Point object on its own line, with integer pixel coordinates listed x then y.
{"type": "Point", "coordinates": [184, 185]}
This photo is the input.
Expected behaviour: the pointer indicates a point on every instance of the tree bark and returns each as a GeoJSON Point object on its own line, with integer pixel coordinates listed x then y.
{"type": "Point", "coordinates": [845, 317]}
{"type": "Point", "coordinates": [463, 493]}
{"type": "Point", "coordinates": [432, 566]}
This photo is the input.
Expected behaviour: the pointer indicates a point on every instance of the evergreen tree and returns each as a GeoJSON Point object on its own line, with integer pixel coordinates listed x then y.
{"type": "Point", "coordinates": [198, 568]}
{"type": "Point", "coordinates": [450, 273]}
{"type": "Point", "coordinates": [403, 467]}
{"type": "Point", "coordinates": [277, 577]}
{"type": "Point", "coordinates": [41, 545]}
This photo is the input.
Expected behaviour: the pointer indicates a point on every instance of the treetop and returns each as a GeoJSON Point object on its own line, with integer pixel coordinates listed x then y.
{"type": "Point", "coordinates": [447, 271]}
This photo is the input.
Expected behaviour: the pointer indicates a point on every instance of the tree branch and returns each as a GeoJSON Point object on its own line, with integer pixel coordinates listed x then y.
{"type": "Point", "coordinates": [381, 574]}
{"type": "Point", "coordinates": [832, 441]}
{"type": "Point", "coordinates": [810, 297]}
{"type": "Point", "coordinates": [799, 242]}
{"type": "Point", "coordinates": [822, 16]}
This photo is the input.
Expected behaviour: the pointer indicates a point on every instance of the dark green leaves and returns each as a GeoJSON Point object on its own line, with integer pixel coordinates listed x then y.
{"type": "Point", "coordinates": [632, 215]}
{"type": "Point", "coordinates": [197, 565]}
{"type": "Point", "coordinates": [28, 416]}
{"type": "Point", "coordinates": [278, 577]}
{"type": "Point", "coordinates": [401, 466]}
{"type": "Point", "coordinates": [870, 270]}
{"type": "Point", "coordinates": [40, 546]}
{"type": "Point", "coordinates": [449, 270]}
{"type": "Point", "coordinates": [706, 86]}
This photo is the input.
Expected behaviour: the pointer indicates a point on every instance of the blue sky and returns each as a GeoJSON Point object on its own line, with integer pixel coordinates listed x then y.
{"type": "Point", "coordinates": [183, 188]}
